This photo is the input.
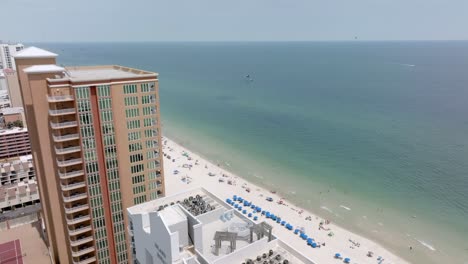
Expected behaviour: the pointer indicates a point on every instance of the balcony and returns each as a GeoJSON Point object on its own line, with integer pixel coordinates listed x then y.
{"type": "Point", "coordinates": [71, 174]}
{"type": "Point", "coordinates": [59, 98]}
{"type": "Point", "coordinates": [72, 186]}
{"type": "Point", "coordinates": [77, 231]}
{"type": "Point", "coordinates": [64, 163]}
{"type": "Point", "coordinates": [75, 243]}
{"type": "Point", "coordinates": [83, 251]}
{"type": "Point", "coordinates": [65, 124]}
{"type": "Point", "coordinates": [85, 261]}
{"type": "Point", "coordinates": [66, 137]}
{"type": "Point", "coordinates": [67, 150]}
{"type": "Point", "coordinates": [75, 209]}
{"type": "Point", "coordinates": [59, 112]}
{"type": "Point", "coordinates": [77, 220]}
{"type": "Point", "coordinates": [74, 197]}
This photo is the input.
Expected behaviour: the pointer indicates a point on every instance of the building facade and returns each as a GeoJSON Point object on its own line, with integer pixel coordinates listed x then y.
{"type": "Point", "coordinates": [7, 53]}
{"type": "Point", "coordinates": [97, 151]}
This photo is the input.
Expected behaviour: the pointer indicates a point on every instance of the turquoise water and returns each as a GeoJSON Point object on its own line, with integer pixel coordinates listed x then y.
{"type": "Point", "coordinates": [381, 128]}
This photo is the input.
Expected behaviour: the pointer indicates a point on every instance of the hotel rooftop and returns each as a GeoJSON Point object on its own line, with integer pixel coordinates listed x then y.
{"type": "Point", "coordinates": [195, 226]}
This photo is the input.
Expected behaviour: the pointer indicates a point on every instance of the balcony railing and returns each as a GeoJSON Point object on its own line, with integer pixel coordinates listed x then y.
{"type": "Point", "coordinates": [63, 163]}
{"type": "Point", "coordinates": [85, 261]}
{"type": "Point", "coordinates": [75, 197]}
{"type": "Point", "coordinates": [78, 220]}
{"type": "Point", "coordinates": [76, 208]}
{"type": "Point", "coordinates": [83, 251]}
{"type": "Point", "coordinates": [59, 98]}
{"type": "Point", "coordinates": [71, 174]}
{"type": "Point", "coordinates": [63, 124]}
{"type": "Point", "coordinates": [78, 242]}
{"type": "Point", "coordinates": [67, 150]}
{"type": "Point", "coordinates": [66, 137]}
{"type": "Point", "coordinates": [68, 187]}
{"type": "Point", "coordinates": [80, 230]}
{"type": "Point", "coordinates": [57, 112]}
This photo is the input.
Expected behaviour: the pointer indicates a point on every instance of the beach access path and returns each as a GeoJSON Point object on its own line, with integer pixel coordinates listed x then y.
{"type": "Point", "coordinates": [187, 170]}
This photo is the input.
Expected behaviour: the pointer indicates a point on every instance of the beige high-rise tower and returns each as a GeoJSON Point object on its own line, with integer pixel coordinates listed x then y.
{"type": "Point", "coordinates": [96, 143]}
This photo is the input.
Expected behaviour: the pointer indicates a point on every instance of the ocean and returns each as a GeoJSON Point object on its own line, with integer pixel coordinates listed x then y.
{"type": "Point", "coordinates": [371, 135]}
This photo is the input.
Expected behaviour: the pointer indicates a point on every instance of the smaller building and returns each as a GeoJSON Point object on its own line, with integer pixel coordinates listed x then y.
{"type": "Point", "coordinates": [14, 142]}
{"type": "Point", "coordinates": [18, 186]}
{"type": "Point", "coordinates": [196, 227]}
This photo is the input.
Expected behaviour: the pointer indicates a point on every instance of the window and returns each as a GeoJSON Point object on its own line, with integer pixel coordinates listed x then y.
{"type": "Point", "coordinates": [152, 154]}
{"type": "Point", "coordinates": [138, 189]}
{"type": "Point", "coordinates": [134, 135]}
{"type": "Point", "coordinates": [153, 164]}
{"type": "Point", "coordinates": [133, 124]}
{"type": "Point", "coordinates": [139, 199]}
{"type": "Point", "coordinates": [133, 100]}
{"type": "Point", "coordinates": [132, 112]}
{"type": "Point", "coordinates": [137, 168]}
{"type": "Point", "coordinates": [149, 110]}
{"type": "Point", "coordinates": [153, 185]}
{"type": "Point", "coordinates": [149, 122]}
{"type": "Point", "coordinates": [138, 179]}
{"type": "Point", "coordinates": [106, 115]}
{"type": "Point", "coordinates": [136, 158]}
{"type": "Point", "coordinates": [130, 88]}
{"type": "Point", "coordinates": [103, 90]}
{"type": "Point", "coordinates": [147, 99]}
{"type": "Point", "coordinates": [135, 147]}
{"type": "Point", "coordinates": [150, 133]}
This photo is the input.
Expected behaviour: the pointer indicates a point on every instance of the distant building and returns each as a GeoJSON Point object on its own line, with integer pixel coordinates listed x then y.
{"type": "Point", "coordinates": [96, 137]}
{"type": "Point", "coordinates": [12, 86]}
{"type": "Point", "coordinates": [196, 227]}
{"type": "Point", "coordinates": [7, 53]}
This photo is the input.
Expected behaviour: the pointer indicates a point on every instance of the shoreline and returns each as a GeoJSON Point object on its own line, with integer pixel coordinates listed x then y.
{"type": "Point", "coordinates": [194, 172]}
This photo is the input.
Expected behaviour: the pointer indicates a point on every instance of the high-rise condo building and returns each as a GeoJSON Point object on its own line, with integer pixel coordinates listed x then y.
{"type": "Point", "coordinates": [96, 144]}
{"type": "Point", "coordinates": [7, 52]}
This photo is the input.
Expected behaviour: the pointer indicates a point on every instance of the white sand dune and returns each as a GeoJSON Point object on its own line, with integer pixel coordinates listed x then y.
{"type": "Point", "coordinates": [343, 241]}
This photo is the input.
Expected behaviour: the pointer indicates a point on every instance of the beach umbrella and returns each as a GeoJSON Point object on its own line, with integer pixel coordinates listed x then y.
{"type": "Point", "coordinates": [228, 200]}
{"type": "Point", "coordinates": [314, 245]}
{"type": "Point", "coordinates": [255, 218]}
{"type": "Point", "coordinates": [267, 214]}
{"type": "Point", "coordinates": [337, 255]}
{"type": "Point", "coordinates": [258, 209]}
{"type": "Point", "coordinates": [244, 211]}
{"type": "Point", "coordinates": [283, 223]}
{"type": "Point", "coordinates": [296, 231]}
{"type": "Point", "coordinates": [252, 206]}
{"type": "Point", "coordinates": [249, 215]}
{"type": "Point", "coordinates": [236, 205]}
{"type": "Point", "coordinates": [304, 236]}
{"type": "Point", "coordinates": [278, 220]}
{"type": "Point", "coordinates": [263, 212]}
{"type": "Point", "coordinates": [234, 196]}
{"type": "Point", "coordinates": [347, 260]}
{"type": "Point", "coordinates": [239, 208]}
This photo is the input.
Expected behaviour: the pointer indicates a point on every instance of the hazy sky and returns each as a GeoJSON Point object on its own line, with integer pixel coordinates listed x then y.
{"type": "Point", "coordinates": [237, 20]}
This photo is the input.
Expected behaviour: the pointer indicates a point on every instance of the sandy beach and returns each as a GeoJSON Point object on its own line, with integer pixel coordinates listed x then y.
{"type": "Point", "coordinates": [185, 170]}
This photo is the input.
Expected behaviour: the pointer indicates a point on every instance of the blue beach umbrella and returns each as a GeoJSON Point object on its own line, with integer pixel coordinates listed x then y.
{"type": "Point", "coordinates": [236, 205]}
{"type": "Point", "coordinates": [244, 211]}
{"type": "Point", "coordinates": [283, 223]}
{"type": "Point", "coordinates": [252, 206]}
{"type": "Point", "coordinates": [296, 231]}
{"type": "Point", "coordinates": [347, 260]}
{"type": "Point", "coordinates": [263, 212]}
{"type": "Point", "coordinates": [337, 255]}
{"type": "Point", "coordinates": [255, 218]}
{"type": "Point", "coordinates": [258, 209]}
{"type": "Point", "coordinates": [234, 196]}
{"type": "Point", "coordinates": [249, 215]}
{"type": "Point", "coordinates": [314, 245]}
{"type": "Point", "coordinates": [239, 208]}
{"type": "Point", "coordinates": [267, 214]}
